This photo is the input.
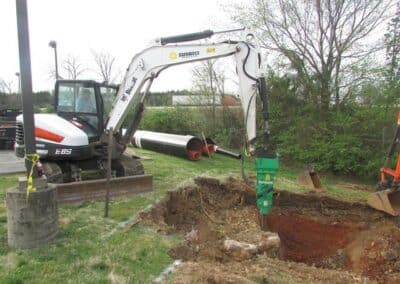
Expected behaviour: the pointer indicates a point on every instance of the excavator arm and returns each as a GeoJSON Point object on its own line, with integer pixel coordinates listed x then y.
{"type": "Point", "coordinates": [148, 64]}
{"type": "Point", "coordinates": [164, 53]}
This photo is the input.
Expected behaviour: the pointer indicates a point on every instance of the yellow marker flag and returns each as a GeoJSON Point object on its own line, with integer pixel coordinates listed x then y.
{"type": "Point", "coordinates": [33, 158]}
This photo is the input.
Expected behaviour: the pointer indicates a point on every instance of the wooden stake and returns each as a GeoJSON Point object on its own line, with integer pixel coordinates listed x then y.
{"type": "Point", "coordinates": [109, 152]}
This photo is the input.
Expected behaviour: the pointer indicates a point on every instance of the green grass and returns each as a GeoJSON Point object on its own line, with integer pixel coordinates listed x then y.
{"type": "Point", "coordinates": [85, 252]}
{"type": "Point", "coordinates": [286, 180]}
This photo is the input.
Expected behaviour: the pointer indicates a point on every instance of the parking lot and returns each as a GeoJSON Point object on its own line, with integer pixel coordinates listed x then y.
{"type": "Point", "coordinates": [9, 163]}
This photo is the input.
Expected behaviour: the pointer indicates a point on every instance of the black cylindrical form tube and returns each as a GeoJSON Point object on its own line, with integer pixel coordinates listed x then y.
{"type": "Point", "coordinates": [179, 145]}
{"type": "Point", "coordinates": [228, 153]}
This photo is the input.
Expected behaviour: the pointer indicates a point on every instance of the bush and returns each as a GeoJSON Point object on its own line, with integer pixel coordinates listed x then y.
{"type": "Point", "coordinates": [350, 140]}
{"type": "Point", "coordinates": [226, 129]}
{"type": "Point", "coordinates": [169, 120]}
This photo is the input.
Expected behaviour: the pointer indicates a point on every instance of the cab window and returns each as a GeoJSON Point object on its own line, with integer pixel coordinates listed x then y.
{"type": "Point", "coordinates": [76, 98]}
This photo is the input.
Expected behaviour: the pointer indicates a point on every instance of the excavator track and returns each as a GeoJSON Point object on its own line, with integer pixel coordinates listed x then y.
{"type": "Point", "coordinates": [127, 166]}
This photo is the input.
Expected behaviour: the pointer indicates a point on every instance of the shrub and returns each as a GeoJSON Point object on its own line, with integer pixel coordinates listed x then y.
{"type": "Point", "coordinates": [226, 129]}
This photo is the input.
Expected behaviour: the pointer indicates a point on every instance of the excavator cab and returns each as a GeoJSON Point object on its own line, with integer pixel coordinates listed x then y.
{"type": "Point", "coordinates": [85, 103]}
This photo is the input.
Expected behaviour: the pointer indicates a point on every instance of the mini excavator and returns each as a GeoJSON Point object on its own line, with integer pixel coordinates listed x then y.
{"type": "Point", "coordinates": [75, 138]}
{"type": "Point", "coordinates": [387, 195]}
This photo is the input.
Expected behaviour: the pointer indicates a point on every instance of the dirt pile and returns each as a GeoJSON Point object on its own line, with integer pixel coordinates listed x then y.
{"type": "Point", "coordinates": [207, 208]}
{"type": "Point", "coordinates": [324, 237]}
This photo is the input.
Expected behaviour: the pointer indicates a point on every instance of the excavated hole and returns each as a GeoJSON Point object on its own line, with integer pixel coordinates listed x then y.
{"type": "Point", "coordinates": [313, 229]}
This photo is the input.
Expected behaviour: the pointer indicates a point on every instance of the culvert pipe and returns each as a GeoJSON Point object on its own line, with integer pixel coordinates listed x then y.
{"type": "Point", "coordinates": [186, 146]}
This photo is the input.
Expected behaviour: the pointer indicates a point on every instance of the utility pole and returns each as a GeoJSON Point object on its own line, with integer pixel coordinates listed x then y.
{"type": "Point", "coordinates": [32, 214]}
{"type": "Point", "coordinates": [26, 81]}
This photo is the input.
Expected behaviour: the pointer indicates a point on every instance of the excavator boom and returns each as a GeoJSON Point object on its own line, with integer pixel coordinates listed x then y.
{"type": "Point", "coordinates": [147, 65]}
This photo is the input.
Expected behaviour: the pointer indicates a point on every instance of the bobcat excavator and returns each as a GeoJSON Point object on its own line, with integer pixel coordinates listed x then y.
{"type": "Point", "coordinates": [387, 195]}
{"type": "Point", "coordinates": [76, 137]}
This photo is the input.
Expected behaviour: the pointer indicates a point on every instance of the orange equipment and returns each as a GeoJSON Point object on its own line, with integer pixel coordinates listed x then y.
{"type": "Point", "coordinates": [387, 195]}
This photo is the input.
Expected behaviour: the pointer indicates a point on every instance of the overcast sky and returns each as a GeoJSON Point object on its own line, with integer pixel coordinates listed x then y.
{"type": "Point", "coordinates": [120, 27]}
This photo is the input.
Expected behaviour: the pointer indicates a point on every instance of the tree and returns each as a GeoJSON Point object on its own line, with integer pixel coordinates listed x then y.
{"type": "Point", "coordinates": [321, 40]}
{"type": "Point", "coordinates": [73, 67]}
{"type": "Point", "coordinates": [104, 63]}
{"type": "Point", "coordinates": [209, 80]}
{"type": "Point", "coordinates": [392, 68]}
{"type": "Point", "coordinates": [392, 44]}
{"type": "Point", "coordinates": [6, 87]}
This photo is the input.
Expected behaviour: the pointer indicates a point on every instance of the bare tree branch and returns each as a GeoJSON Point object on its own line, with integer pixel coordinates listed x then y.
{"type": "Point", "coordinates": [319, 38]}
{"type": "Point", "coordinates": [6, 87]}
{"type": "Point", "coordinates": [73, 67]}
{"type": "Point", "coordinates": [208, 78]}
{"type": "Point", "coordinates": [104, 63]}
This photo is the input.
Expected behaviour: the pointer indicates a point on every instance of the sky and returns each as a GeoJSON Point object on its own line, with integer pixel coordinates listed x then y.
{"type": "Point", "coordinates": [119, 27]}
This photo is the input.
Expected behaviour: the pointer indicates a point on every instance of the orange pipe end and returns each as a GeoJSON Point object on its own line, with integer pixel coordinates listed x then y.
{"type": "Point", "coordinates": [193, 155]}
{"type": "Point", "coordinates": [208, 149]}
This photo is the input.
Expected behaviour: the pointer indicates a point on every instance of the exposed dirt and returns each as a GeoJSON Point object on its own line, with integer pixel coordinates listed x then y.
{"type": "Point", "coordinates": [322, 239]}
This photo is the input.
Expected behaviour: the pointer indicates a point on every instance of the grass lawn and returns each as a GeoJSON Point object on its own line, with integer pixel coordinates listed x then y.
{"type": "Point", "coordinates": [91, 249]}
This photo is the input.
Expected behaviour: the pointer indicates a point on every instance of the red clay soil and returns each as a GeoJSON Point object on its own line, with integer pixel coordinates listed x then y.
{"type": "Point", "coordinates": [314, 228]}
{"type": "Point", "coordinates": [315, 241]}
{"type": "Point", "coordinates": [327, 236]}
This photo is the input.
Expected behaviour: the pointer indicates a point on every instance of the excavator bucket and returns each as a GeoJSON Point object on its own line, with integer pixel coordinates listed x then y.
{"type": "Point", "coordinates": [310, 179]}
{"type": "Point", "coordinates": [387, 201]}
